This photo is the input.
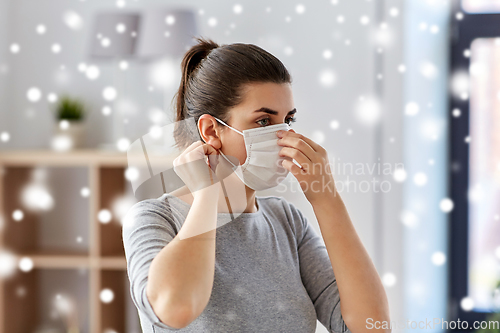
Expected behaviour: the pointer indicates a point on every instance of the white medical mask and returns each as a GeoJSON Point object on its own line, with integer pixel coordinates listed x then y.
{"type": "Point", "coordinates": [262, 168]}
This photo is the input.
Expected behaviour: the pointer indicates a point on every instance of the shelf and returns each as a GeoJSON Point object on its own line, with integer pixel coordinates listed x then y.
{"type": "Point", "coordinates": [121, 307]}
{"type": "Point", "coordinates": [79, 157]}
{"type": "Point", "coordinates": [73, 253]}
{"type": "Point", "coordinates": [75, 261]}
{"type": "Point", "coordinates": [54, 214]}
{"type": "Point", "coordinates": [35, 295]}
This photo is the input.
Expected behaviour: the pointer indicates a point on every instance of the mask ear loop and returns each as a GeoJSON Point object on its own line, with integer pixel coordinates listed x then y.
{"type": "Point", "coordinates": [228, 203]}
{"type": "Point", "coordinates": [223, 123]}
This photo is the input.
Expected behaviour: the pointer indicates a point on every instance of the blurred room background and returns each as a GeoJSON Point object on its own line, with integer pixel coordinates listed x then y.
{"type": "Point", "coordinates": [404, 95]}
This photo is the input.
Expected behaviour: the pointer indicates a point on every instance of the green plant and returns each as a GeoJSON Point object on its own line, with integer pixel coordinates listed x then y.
{"type": "Point", "coordinates": [69, 108]}
{"type": "Point", "coordinates": [494, 316]}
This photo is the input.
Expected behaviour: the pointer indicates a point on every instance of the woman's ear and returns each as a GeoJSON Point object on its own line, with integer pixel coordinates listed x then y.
{"type": "Point", "coordinates": [209, 132]}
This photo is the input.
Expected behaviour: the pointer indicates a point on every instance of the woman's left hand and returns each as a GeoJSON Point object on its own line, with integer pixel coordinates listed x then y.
{"type": "Point", "coordinates": [315, 177]}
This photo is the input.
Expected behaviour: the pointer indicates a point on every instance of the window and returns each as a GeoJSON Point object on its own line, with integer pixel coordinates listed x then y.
{"type": "Point", "coordinates": [475, 160]}
{"type": "Point", "coordinates": [481, 6]}
{"type": "Point", "coordinates": [484, 173]}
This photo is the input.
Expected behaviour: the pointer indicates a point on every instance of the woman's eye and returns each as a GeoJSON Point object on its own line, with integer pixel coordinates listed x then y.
{"type": "Point", "coordinates": [289, 121]}
{"type": "Point", "coordinates": [258, 121]}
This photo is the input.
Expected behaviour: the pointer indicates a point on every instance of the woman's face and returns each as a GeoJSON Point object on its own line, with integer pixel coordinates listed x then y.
{"type": "Point", "coordinates": [264, 104]}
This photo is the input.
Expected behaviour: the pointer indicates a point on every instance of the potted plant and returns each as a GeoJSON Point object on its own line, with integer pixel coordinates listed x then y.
{"type": "Point", "coordinates": [70, 116]}
{"type": "Point", "coordinates": [495, 315]}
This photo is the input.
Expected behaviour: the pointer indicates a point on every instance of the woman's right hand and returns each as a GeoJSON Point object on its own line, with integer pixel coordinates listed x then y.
{"type": "Point", "coordinates": [191, 166]}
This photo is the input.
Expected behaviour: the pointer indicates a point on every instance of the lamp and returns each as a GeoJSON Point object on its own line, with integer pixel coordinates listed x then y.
{"type": "Point", "coordinates": [166, 32]}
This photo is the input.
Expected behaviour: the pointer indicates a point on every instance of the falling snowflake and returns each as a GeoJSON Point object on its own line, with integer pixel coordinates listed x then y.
{"type": "Point", "coordinates": [132, 174]}
{"type": "Point", "coordinates": [85, 192]}
{"type": "Point", "coordinates": [105, 42]}
{"type": "Point", "coordinates": [420, 179]}
{"type": "Point", "coordinates": [52, 98]}
{"type": "Point", "coordinates": [120, 3]}
{"type": "Point", "coordinates": [123, 144]}
{"type": "Point", "coordinates": [121, 28]}
{"type": "Point", "coordinates": [17, 215]}
{"type": "Point", "coordinates": [389, 279]}
{"type": "Point", "coordinates": [4, 136]}
{"type": "Point", "coordinates": [170, 20]}
{"type": "Point", "coordinates": [300, 9]}
{"type": "Point", "coordinates": [41, 29]}
{"type": "Point", "coordinates": [56, 48]}
{"type": "Point", "coordinates": [446, 205]}
{"type": "Point", "coordinates": [106, 295]}
{"type": "Point", "coordinates": [237, 9]}
{"type": "Point", "coordinates": [467, 303]}
{"type": "Point", "coordinates": [104, 216]}
{"type": "Point", "coordinates": [106, 110]}
{"type": "Point", "coordinates": [394, 12]}
{"type": "Point", "coordinates": [409, 219]}
{"type": "Point", "coordinates": [123, 65]}
{"type": "Point", "coordinates": [399, 175]}
{"type": "Point", "coordinates": [15, 48]}
{"type": "Point", "coordinates": [288, 51]}
{"type": "Point", "coordinates": [212, 22]}
{"type": "Point", "coordinates": [92, 72]}
{"type": "Point", "coordinates": [438, 258]}
{"type": "Point", "coordinates": [73, 20]}
{"type": "Point", "coordinates": [109, 93]}
{"type": "Point", "coordinates": [26, 264]}
{"type": "Point", "coordinates": [334, 124]}
{"type": "Point", "coordinates": [327, 78]}
{"type": "Point", "coordinates": [34, 94]}
{"type": "Point", "coordinates": [411, 109]}
{"type": "Point", "coordinates": [368, 110]}
{"type": "Point", "coordinates": [364, 20]}
{"type": "Point", "coordinates": [318, 136]}
{"type": "Point", "coordinates": [428, 70]}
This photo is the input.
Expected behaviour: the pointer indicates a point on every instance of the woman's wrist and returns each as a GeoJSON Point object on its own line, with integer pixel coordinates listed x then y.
{"type": "Point", "coordinates": [208, 192]}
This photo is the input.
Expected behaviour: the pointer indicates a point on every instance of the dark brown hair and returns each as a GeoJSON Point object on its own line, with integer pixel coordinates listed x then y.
{"type": "Point", "coordinates": [213, 79]}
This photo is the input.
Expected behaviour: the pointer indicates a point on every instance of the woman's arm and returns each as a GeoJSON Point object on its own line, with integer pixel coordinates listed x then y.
{"type": "Point", "coordinates": [361, 291]}
{"type": "Point", "coordinates": [181, 276]}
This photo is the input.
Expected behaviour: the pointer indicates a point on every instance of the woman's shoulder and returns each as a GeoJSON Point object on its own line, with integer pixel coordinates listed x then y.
{"type": "Point", "coordinates": [286, 214]}
{"type": "Point", "coordinates": [278, 202]}
{"type": "Point", "coordinates": [151, 211]}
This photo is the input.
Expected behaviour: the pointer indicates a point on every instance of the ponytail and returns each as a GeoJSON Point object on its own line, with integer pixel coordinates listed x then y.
{"type": "Point", "coordinates": [191, 60]}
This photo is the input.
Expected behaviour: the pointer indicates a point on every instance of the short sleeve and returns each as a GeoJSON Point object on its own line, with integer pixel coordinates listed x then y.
{"type": "Point", "coordinates": [317, 275]}
{"type": "Point", "coordinates": [148, 227]}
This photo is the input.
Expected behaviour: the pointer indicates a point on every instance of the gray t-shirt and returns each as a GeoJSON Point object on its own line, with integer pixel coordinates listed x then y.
{"type": "Point", "coordinates": [272, 270]}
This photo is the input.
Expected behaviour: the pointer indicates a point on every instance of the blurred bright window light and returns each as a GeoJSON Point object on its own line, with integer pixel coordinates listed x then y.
{"type": "Point", "coordinates": [481, 6]}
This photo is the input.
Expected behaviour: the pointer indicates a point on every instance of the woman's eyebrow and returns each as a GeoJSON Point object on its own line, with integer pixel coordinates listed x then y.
{"type": "Point", "coordinates": [267, 110]}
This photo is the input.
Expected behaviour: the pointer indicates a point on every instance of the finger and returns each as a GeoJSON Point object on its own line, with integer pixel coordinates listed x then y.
{"type": "Point", "coordinates": [316, 147]}
{"type": "Point", "coordinates": [294, 169]}
{"type": "Point", "coordinates": [297, 143]}
{"type": "Point", "coordinates": [294, 154]}
{"type": "Point", "coordinates": [193, 146]}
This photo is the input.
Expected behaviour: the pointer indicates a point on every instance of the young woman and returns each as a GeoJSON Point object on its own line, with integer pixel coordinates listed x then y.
{"type": "Point", "coordinates": [212, 256]}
